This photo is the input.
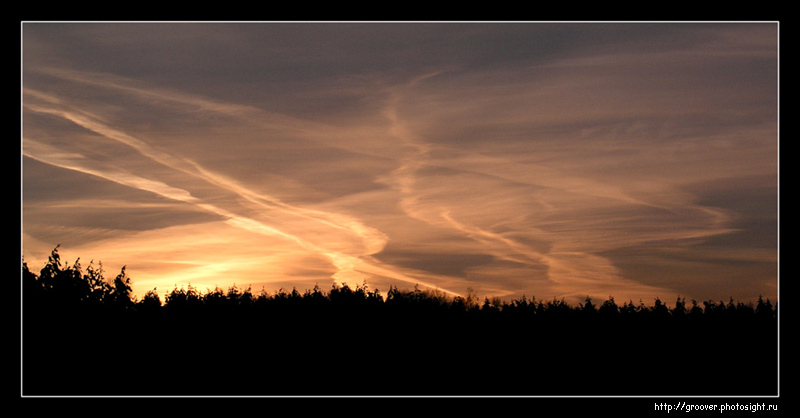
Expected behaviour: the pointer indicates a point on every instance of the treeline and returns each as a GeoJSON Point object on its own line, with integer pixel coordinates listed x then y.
{"type": "Point", "coordinates": [63, 285]}
{"type": "Point", "coordinates": [84, 334]}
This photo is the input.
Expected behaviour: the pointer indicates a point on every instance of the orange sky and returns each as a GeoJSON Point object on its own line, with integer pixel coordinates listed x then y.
{"type": "Point", "coordinates": [550, 160]}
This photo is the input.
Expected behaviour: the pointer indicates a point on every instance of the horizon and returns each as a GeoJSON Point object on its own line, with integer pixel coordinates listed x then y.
{"type": "Point", "coordinates": [626, 160]}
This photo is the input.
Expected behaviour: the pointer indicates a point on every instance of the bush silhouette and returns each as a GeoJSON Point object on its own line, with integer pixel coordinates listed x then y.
{"type": "Point", "coordinates": [85, 336]}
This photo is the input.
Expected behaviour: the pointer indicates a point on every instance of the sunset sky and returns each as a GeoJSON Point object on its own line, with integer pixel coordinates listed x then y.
{"type": "Point", "coordinates": [545, 159]}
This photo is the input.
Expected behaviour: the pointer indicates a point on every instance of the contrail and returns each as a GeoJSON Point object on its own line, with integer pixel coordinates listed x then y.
{"type": "Point", "coordinates": [374, 240]}
{"type": "Point", "coordinates": [566, 262]}
{"type": "Point", "coordinates": [344, 262]}
{"type": "Point", "coordinates": [76, 162]}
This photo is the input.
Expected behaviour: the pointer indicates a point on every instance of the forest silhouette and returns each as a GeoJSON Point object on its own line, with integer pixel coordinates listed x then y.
{"type": "Point", "coordinates": [84, 335]}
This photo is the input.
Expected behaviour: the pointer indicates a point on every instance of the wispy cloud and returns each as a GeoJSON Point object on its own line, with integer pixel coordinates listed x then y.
{"type": "Point", "coordinates": [320, 233]}
{"type": "Point", "coordinates": [506, 164]}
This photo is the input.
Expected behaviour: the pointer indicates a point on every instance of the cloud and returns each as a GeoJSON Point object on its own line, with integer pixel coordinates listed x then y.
{"type": "Point", "coordinates": [340, 238]}
{"type": "Point", "coordinates": [522, 159]}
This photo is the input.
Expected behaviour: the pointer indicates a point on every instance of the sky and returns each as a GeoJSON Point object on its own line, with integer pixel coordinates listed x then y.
{"type": "Point", "coordinates": [551, 160]}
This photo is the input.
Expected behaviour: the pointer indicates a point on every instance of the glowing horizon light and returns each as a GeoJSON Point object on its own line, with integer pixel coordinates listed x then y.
{"type": "Point", "coordinates": [626, 160]}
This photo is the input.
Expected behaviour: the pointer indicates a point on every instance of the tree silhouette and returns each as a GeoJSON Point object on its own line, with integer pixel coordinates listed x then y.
{"type": "Point", "coordinates": [120, 294]}
{"type": "Point", "coordinates": [76, 325]}
{"type": "Point", "coordinates": [150, 303]}
{"type": "Point", "coordinates": [609, 308]}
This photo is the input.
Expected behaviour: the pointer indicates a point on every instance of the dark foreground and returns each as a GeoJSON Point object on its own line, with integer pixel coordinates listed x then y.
{"type": "Point", "coordinates": [85, 336]}
{"type": "Point", "coordinates": [360, 353]}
